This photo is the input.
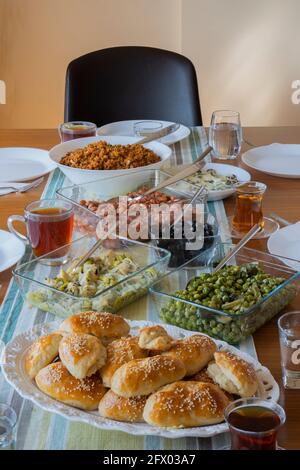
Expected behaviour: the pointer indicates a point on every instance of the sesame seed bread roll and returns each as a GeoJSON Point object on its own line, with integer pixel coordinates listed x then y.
{"type": "Point", "coordinates": [57, 382]}
{"type": "Point", "coordinates": [144, 376]}
{"type": "Point", "coordinates": [82, 354]}
{"type": "Point", "coordinates": [195, 352]}
{"type": "Point", "coordinates": [119, 352]}
{"type": "Point", "coordinates": [113, 406]}
{"type": "Point", "coordinates": [41, 353]}
{"type": "Point", "coordinates": [233, 374]}
{"type": "Point", "coordinates": [186, 404]}
{"type": "Point", "coordinates": [106, 326]}
{"type": "Point", "coordinates": [201, 376]}
{"type": "Point", "coordinates": [155, 338]}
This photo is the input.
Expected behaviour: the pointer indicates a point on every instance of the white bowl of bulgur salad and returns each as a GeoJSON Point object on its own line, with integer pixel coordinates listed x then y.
{"type": "Point", "coordinates": [91, 158]}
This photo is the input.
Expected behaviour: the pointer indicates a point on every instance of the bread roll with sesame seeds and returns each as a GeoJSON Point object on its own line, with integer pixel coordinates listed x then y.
{"type": "Point", "coordinates": [201, 376]}
{"type": "Point", "coordinates": [155, 338]}
{"type": "Point", "coordinates": [57, 382]}
{"type": "Point", "coordinates": [144, 376]}
{"type": "Point", "coordinates": [82, 354]}
{"type": "Point", "coordinates": [106, 326]}
{"type": "Point", "coordinates": [233, 374]}
{"type": "Point", "coordinates": [186, 404]}
{"type": "Point", "coordinates": [113, 406]}
{"type": "Point", "coordinates": [41, 353]}
{"type": "Point", "coordinates": [195, 352]}
{"type": "Point", "coordinates": [119, 352]}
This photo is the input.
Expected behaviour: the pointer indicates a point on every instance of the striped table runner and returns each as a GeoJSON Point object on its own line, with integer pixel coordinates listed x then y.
{"type": "Point", "coordinates": [38, 429]}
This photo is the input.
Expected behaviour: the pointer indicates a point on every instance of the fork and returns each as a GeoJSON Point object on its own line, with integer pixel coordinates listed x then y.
{"type": "Point", "coordinates": [23, 188]}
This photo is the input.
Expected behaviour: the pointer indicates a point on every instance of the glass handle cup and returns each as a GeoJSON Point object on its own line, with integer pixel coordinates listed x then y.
{"type": "Point", "coordinates": [10, 224]}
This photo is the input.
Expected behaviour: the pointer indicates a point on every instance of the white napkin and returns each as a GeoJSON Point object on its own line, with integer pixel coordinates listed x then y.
{"type": "Point", "coordinates": [6, 191]}
{"type": "Point", "coordinates": [5, 184]}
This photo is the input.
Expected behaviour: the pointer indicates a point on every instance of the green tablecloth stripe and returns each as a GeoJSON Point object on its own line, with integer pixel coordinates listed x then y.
{"type": "Point", "coordinates": [38, 429]}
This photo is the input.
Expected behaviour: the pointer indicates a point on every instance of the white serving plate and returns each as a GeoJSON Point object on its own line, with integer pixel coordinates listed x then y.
{"type": "Point", "coordinates": [15, 374]}
{"type": "Point", "coordinates": [127, 128]}
{"type": "Point", "coordinates": [286, 243]}
{"type": "Point", "coordinates": [221, 169]}
{"type": "Point", "coordinates": [276, 159]}
{"type": "Point", "coordinates": [78, 175]}
{"type": "Point", "coordinates": [23, 163]}
{"type": "Point", "coordinates": [11, 250]}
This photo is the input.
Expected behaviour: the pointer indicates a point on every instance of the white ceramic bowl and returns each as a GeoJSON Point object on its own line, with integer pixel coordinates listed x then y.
{"type": "Point", "coordinates": [78, 175]}
{"type": "Point", "coordinates": [222, 169]}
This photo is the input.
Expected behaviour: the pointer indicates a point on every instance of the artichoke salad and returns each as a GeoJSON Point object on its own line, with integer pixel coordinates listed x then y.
{"type": "Point", "coordinates": [212, 180]}
{"type": "Point", "coordinates": [94, 286]}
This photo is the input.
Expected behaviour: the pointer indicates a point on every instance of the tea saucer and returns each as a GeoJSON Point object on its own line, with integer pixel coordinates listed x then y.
{"type": "Point", "coordinates": [11, 250]}
{"type": "Point", "coordinates": [270, 226]}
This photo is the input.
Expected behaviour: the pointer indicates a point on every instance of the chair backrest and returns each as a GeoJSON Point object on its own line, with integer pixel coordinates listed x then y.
{"type": "Point", "coordinates": [123, 83]}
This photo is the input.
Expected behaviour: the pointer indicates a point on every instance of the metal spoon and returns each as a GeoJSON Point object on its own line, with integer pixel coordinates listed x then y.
{"type": "Point", "coordinates": [173, 179]}
{"type": "Point", "coordinates": [254, 230]}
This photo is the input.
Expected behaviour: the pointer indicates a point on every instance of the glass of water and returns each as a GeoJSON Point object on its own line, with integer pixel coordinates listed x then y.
{"type": "Point", "coordinates": [225, 134]}
{"type": "Point", "coordinates": [8, 421]}
{"type": "Point", "coordinates": [289, 336]}
{"type": "Point", "coordinates": [8, 417]}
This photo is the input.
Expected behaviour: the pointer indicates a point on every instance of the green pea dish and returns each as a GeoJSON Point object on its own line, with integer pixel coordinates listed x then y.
{"type": "Point", "coordinates": [230, 304]}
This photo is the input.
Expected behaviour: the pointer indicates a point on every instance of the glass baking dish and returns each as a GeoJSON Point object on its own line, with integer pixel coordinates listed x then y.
{"type": "Point", "coordinates": [31, 277]}
{"type": "Point", "coordinates": [230, 327]}
{"type": "Point", "coordinates": [85, 220]}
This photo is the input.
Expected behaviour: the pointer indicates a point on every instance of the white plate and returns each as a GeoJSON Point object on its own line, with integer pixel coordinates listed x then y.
{"type": "Point", "coordinates": [24, 163]}
{"type": "Point", "coordinates": [126, 128]}
{"type": "Point", "coordinates": [286, 242]}
{"type": "Point", "coordinates": [276, 159]}
{"type": "Point", "coordinates": [221, 169]}
{"type": "Point", "coordinates": [78, 175]}
{"type": "Point", "coordinates": [14, 372]}
{"type": "Point", "coordinates": [11, 250]}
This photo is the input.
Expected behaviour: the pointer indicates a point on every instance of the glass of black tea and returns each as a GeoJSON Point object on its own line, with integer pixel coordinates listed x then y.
{"type": "Point", "coordinates": [49, 227]}
{"type": "Point", "coordinates": [76, 130]}
{"type": "Point", "coordinates": [254, 423]}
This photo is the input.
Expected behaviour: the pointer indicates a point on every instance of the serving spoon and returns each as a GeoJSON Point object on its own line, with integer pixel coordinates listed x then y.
{"type": "Point", "coordinates": [191, 169]}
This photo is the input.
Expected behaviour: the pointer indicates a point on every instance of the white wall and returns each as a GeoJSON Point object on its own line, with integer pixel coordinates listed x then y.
{"type": "Point", "coordinates": [246, 52]}
{"type": "Point", "coordinates": [38, 38]}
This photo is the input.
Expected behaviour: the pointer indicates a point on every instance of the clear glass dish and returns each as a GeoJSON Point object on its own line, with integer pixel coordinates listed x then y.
{"type": "Point", "coordinates": [232, 328]}
{"type": "Point", "coordinates": [31, 277]}
{"type": "Point", "coordinates": [86, 220]}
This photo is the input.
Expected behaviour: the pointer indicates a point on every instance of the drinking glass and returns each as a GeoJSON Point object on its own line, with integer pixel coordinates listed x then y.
{"type": "Point", "coordinates": [145, 128]}
{"type": "Point", "coordinates": [49, 225]}
{"type": "Point", "coordinates": [254, 423]}
{"type": "Point", "coordinates": [289, 336]}
{"type": "Point", "coordinates": [8, 421]}
{"type": "Point", "coordinates": [248, 207]}
{"type": "Point", "coordinates": [76, 130]}
{"type": "Point", "coordinates": [225, 134]}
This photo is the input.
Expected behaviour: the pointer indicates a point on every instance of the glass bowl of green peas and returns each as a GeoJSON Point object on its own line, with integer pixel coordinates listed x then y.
{"type": "Point", "coordinates": [230, 304]}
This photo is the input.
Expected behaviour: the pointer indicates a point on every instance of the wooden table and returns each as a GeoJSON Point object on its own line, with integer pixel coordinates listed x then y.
{"type": "Point", "coordinates": [283, 196]}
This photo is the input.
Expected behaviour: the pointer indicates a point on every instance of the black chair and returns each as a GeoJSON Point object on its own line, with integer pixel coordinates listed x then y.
{"type": "Point", "coordinates": [123, 83]}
